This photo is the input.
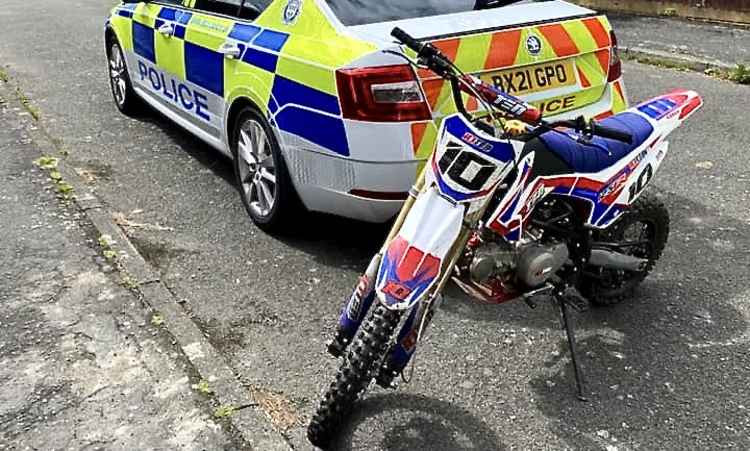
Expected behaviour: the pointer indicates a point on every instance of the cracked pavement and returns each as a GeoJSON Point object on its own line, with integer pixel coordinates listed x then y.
{"type": "Point", "coordinates": [81, 366]}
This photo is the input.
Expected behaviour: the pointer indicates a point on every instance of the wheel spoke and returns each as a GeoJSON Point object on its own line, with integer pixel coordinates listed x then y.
{"type": "Point", "coordinates": [267, 175]}
{"type": "Point", "coordinates": [266, 194]}
{"type": "Point", "coordinates": [245, 150]}
{"type": "Point", "coordinates": [267, 161]}
{"type": "Point", "coordinates": [250, 192]}
{"type": "Point", "coordinates": [259, 136]}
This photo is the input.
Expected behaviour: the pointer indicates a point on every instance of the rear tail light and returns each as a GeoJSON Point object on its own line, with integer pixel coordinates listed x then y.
{"type": "Point", "coordinates": [615, 62]}
{"type": "Point", "coordinates": [382, 94]}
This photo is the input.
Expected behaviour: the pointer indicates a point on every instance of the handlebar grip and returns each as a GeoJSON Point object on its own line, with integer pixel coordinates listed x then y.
{"type": "Point", "coordinates": [611, 133]}
{"type": "Point", "coordinates": [407, 40]}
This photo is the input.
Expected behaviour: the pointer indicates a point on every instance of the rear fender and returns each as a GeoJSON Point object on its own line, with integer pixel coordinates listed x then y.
{"type": "Point", "coordinates": [415, 259]}
{"type": "Point", "coordinates": [671, 110]}
{"type": "Point", "coordinates": [666, 113]}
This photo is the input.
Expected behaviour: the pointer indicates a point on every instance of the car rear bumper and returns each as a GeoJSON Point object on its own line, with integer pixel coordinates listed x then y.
{"type": "Point", "coordinates": [373, 191]}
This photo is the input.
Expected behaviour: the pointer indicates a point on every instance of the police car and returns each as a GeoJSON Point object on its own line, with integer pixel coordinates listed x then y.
{"type": "Point", "coordinates": [315, 114]}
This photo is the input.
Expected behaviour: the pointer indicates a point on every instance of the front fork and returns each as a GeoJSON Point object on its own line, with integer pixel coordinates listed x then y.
{"type": "Point", "coordinates": [356, 309]}
{"type": "Point", "coordinates": [412, 332]}
{"type": "Point", "coordinates": [359, 304]}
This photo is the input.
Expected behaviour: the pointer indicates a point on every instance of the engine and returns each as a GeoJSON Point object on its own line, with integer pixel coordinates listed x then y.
{"type": "Point", "coordinates": [499, 271]}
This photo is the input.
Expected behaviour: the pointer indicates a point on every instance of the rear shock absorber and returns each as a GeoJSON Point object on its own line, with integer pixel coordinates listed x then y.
{"type": "Point", "coordinates": [355, 310]}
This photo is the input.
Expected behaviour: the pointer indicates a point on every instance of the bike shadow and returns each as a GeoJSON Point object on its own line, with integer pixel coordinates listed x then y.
{"type": "Point", "coordinates": [409, 422]}
{"type": "Point", "coordinates": [667, 367]}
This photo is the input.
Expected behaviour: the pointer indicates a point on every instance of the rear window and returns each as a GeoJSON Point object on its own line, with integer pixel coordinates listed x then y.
{"type": "Point", "coordinates": [359, 12]}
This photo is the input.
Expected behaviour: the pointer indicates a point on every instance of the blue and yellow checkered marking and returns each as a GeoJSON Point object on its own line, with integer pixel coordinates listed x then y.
{"type": "Point", "coordinates": [143, 41]}
{"type": "Point", "coordinates": [205, 68]}
{"type": "Point", "coordinates": [294, 107]}
{"type": "Point", "coordinates": [287, 92]}
{"type": "Point", "coordinates": [244, 32]}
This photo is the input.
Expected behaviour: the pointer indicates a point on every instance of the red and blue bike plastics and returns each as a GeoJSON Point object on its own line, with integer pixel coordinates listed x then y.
{"type": "Point", "coordinates": [557, 211]}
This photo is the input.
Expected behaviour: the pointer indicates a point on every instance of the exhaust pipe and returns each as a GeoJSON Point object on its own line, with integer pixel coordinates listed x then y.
{"type": "Point", "coordinates": [616, 260]}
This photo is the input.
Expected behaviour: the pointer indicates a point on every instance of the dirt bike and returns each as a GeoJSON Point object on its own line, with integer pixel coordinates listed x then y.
{"type": "Point", "coordinates": [555, 210]}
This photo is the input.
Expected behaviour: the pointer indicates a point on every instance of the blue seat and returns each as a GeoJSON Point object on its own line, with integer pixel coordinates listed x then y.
{"type": "Point", "coordinates": [583, 158]}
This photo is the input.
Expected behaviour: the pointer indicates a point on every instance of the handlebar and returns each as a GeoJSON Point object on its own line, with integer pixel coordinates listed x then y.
{"type": "Point", "coordinates": [434, 59]}
{"type": "Point", "coordinates": [426, 53]}
{"type": "Point", "coordinates": [408, 41]}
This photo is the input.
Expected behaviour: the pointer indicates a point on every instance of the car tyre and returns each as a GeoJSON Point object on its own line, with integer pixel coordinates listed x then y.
{"type": "Point", "coordinates": [262, 176]}
{"type": "Point", "coordinates": [126, 100]}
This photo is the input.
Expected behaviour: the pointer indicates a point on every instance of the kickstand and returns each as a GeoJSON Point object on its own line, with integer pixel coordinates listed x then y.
{"type": "Point", "coordinates": [572, 344]}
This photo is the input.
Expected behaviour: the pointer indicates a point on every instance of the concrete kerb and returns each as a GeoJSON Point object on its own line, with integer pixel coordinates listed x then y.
{"type": "Point", "coordinates": [248, 419]}
{"type": "Point", "coordinates": [674, 60]}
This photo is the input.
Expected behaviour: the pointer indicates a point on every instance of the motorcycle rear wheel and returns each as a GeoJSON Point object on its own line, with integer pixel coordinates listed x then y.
{"type": "Point", "coordinates": [649, 218]}
{"type": "Point", "coordinates": [354, 376]}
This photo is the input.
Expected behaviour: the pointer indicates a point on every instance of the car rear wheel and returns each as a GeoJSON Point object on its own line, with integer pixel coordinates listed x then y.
{"type": "Point", "coordinates": [262, 177]}
{"type": "Point", "coordinates": [126, 100]}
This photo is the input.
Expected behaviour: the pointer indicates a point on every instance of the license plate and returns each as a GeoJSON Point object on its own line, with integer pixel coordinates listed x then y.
{"type": "Point", "coordinates": [530, 79]}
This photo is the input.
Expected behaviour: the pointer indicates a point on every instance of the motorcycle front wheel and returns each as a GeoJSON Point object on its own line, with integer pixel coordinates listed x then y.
{"type": "Point", "coordinates": [354, 376]}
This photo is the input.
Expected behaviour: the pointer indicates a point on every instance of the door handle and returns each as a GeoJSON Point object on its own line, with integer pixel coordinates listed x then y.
{"type": "Point", "coordinates": [166, 29]}
{"type": "Point", "coordinates": [230, 50]}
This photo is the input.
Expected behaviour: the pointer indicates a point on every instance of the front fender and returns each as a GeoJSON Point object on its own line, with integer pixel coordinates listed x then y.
{"type": "Point", "coordinates": [415, 259]}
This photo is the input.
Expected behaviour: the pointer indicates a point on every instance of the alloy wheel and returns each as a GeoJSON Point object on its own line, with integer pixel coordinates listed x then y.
{"type": "Point", "coordinates": [117, 74]}
{"type": "Point", "coordinates": [257, 169]}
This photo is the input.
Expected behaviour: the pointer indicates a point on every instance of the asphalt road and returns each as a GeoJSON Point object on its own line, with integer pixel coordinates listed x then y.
{"type": "Point", "coordinates": [667, 370]}
{"type": "Point", "coordinates": [712, 42]}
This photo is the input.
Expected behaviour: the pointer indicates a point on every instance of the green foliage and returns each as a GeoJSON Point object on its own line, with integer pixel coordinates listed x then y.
{"type": "Point", "coordinates": [64, 189]}
{"type": "Point", "coordinates": [740, 74]}
{"type": "Point", "coordinates": [46, 162]}
{"type": "Point", "coordinates": [129, 282]}
{"type": "Point", "coordinates": [203, 387]}
{"type": "Point", "coordinates": [224, 411]}
{"type": "Point", "coordinates": [157, 320]}
{"type": "Point", "coordinates": [110, 255]}
{"type": "Point", "coordinates": [105, 242]}
{"type": "Point", "coordinates": [30, 107]}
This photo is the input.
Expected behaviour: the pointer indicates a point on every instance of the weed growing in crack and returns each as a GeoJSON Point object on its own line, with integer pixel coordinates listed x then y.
{"type": "Point", "coordinates": [224, 411]}
{"type": "Point", "coordinates": [106, 243]}
{"type": "Point", "coordinates": [157, 320]}
{"type": "Point", "coordinates": [46, 162]}
{"type": "Point", "coordinates": [28, 105]}
{"type": "Point", "coordinates": [129, 282]}
{"type": "Point", "coordinates": [50, 164]}
{"type": "Point", "coordinates": [740, 74]}
{"type": "Point", "coordinates": [203, 387]}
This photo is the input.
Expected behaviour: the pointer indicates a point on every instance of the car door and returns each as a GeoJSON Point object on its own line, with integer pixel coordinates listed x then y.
{"type": "Point", "coordinates": [158, 27]}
